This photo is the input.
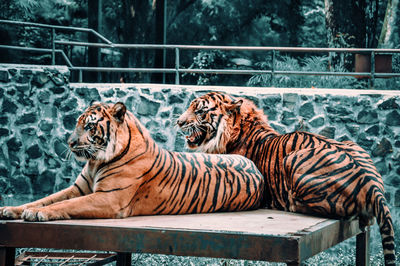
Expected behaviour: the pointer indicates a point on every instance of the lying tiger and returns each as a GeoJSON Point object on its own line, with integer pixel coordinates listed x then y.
{"type": "Point", "coordinates": [127, 174]}
{"type": "Point", "coordinates": [303, 172]}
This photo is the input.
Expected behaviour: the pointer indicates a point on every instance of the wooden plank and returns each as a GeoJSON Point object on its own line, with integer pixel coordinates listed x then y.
{"type": "Point", "coordinates": [262, 221]}
{"type": "Point", "coordinates": [255, 235]}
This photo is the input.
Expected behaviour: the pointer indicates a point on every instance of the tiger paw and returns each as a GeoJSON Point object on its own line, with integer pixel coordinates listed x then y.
{"type": "Point", "coordinates": [10, 212]}
{"type": "Point", "coordinates": [41, 215]}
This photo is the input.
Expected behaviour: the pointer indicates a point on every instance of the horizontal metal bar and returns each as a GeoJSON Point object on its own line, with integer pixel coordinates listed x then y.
{"type": "Point", "coordinates": [236, 48]}
{"type": "Point", "coordinates": [41, 50]}
{"type": "Point", "coordinates": [121, 69]}
{"type": "Point", "coordinates": [40, 25]}
{"type": "Point", "coordinates": [99, 45]}
{"type": "Point", "coordinates": [229, 71]}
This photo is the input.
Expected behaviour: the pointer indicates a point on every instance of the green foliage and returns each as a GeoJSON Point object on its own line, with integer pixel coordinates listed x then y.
{"type": "Point", "coordinates": [208, 60]}
{"type": "Point", "coordinates": [307, 64]}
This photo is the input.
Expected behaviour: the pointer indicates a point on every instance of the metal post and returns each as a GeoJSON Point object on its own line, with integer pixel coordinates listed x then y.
{"type": "Point", "coordinates": [372, 80]}
{"type": "Point", "coordinates": [164, 39]}
{"type": "Point", "coordinates": [362, 248]}
{"type": "Point", "coordinates": [124, 259]}
{"type": "Point", "coordinates": [7, 256]}
{"type": "Point", "coordinates": [53, 46]}
{"type": "Point", "coordinates": [177, 65]}
{"type": "Point", "coordinates": [273, 69]}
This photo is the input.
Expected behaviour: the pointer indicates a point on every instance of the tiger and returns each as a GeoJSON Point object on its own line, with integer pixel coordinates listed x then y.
{"type": "Point", "coordinates": [304, 172]}
{"type": "Point", "coordinates": [126, 173]}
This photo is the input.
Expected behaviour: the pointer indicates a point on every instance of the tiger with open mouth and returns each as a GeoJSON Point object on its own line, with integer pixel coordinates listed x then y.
{"type": "Point", "coordinates": [303, 172]}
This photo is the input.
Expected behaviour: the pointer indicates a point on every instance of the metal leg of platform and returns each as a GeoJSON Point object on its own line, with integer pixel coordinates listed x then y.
{"type": "Point", "coordinates": [362, 248]}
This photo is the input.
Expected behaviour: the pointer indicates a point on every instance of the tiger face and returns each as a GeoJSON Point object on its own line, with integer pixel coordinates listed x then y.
{"type": "Point", "coordinates": [95, 131]}
{"type": "Point", "coordinates": [205, 121]}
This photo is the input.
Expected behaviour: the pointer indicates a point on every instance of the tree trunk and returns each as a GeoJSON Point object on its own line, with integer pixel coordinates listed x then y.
{"type": "Point", "coordinates": [389, 36]}
{"type": "Point", "coordinates": [159, 39]}
{"type": "Point", "coordinates": [330, 23]}
{"type": "Point", "coordinates": [93, 53]}
{"type": "Point", "coordinates": [137, 28]}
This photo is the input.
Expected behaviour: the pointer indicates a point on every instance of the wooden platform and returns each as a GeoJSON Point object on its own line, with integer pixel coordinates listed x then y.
{"type": "Point", "coordinates": [254, 235]}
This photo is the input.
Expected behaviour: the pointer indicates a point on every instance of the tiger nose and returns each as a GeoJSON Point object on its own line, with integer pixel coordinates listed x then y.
{"type": "Point", "coordinates": [72, 141]}
{"type": "Point", "coordinates": [180, 122]}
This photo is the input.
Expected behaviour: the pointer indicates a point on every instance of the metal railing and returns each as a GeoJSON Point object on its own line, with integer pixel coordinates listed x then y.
{"type": "Point", "coordinates": [178, 70]}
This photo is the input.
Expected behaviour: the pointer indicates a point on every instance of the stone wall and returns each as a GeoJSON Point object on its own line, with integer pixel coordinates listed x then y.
{"type": "Point", "coordinates": [39, 109]}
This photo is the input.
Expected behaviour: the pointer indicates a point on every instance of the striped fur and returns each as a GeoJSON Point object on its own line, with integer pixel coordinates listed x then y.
{"type": "Point", "coordinates": [303, 172]}
{"type": "Point", "coordinates": [127, 174]}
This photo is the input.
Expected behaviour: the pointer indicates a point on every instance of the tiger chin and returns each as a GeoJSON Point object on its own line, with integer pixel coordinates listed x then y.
{"type": "Point", "coordinates": [303, 172]}
{"type": "Point", "coordinates": [128, 174]}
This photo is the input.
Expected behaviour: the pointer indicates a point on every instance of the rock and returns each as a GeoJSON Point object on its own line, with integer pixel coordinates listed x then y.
{"type": "Point", "coordinates": [393, 118]}
{"type": "Point", "coordinates": [69, 105]}
{"type": "Point", "coordinates": [14, 144]}
{"type": "Point", "coordinates": [4, 132]}
{"type": "Point", "coordinates": [288, 118]}
{"type": "Point", "coordinates": [353, 129]}
{"type": "Point", "coordinates": [3, 120]}
{"type": "Point", "coordinates": [317, 121]}
{"type": "Point", "coordinates": [364, 141]}
{"type": "Point", "coordinates": [9, 107]}
{"type": "Point", "coordinates": [278, 128]}
{"type": "Point", "coordinates": [45, 126]}
{"type": "Point", "coordinates": [4, 76]}
{"type": "Point", "coordinates": [159, 137]}
{"type": "Point", "coordinates": [57, 90]}
{"type": "Point", "coordinates": [39, 79]}
{"type": "Point", "coordinates": [272, 100]}
{"type": "Point", "coordinates": [31, 169]}
{"type": "Point", "coordinates": [389, 104]}
{"type": "Point", "coordinates": [165, 112]}
{"type": "Point", "coordinates": [383, 148]}
{"type": "Point", "coordinates": [121, 94]}
{"type": "Point", "coordinates": [177, 111]}
{"type": "Point", "coordinates": [175, 98]}
{"type": "Point", "coordinates": [21, 184]}
{"type": "Point", "coordinates": [45, 181]}
{"type": "Point", "coordinates": [374, 130]}
{"type": "Point", "coordinates": [340, 111]}
{"type": "Point", "coordinates": [290, 100]}
{"type": "Point", "coordinates": [179, 144]}
{"type": "Point", "coordinates": [148, 107]}
{"type": "Point", "coordinates": [367, 117]}
{"type": "Point", "coordinates": [34, 152]}
{"type": "Point", "coordinates": [28, 132]}
{"type": "Point", "coordinates": [44, 97]}
{"type": "Point", "coordinates": [328, 132]}
{"type": "Point", "coordinates": [307, 110]}
{"type": "Point", "coordinates": [60, 148]}
{"type": "Point", "coordinates": [69, 121]}
{"type": "Point", "coordinates": [159, 96]}
{"type": "Point", "coordinates": [382, 167]}
{"type": "Point", "coordinates": [109, 93]}
{"type": "Point", "coordinates": [28, 118]}
{"type": "Point", "coordinates": [397, 198]}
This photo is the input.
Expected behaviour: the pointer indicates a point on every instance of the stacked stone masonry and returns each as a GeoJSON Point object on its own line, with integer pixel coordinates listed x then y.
{"type": "Point", "coordinates": [39, 108]}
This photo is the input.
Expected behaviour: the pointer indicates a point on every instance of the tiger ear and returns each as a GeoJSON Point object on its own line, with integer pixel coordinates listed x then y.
{"type": "Point", "coordinates": [118, 112]}
{"type": "Point", "coordinates": [233, 106]}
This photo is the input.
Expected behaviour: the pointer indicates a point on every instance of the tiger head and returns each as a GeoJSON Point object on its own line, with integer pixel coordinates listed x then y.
{"type": "Point", "coordinates": [206, 120]}
{"type": "Point", "coordinates": [94, 137]}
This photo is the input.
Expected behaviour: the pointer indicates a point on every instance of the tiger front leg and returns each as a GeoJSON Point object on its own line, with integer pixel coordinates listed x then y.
{"type": "Point", "coordinates": [96, 205]}
{"type": "Point", "coordinates": [10, 212]}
